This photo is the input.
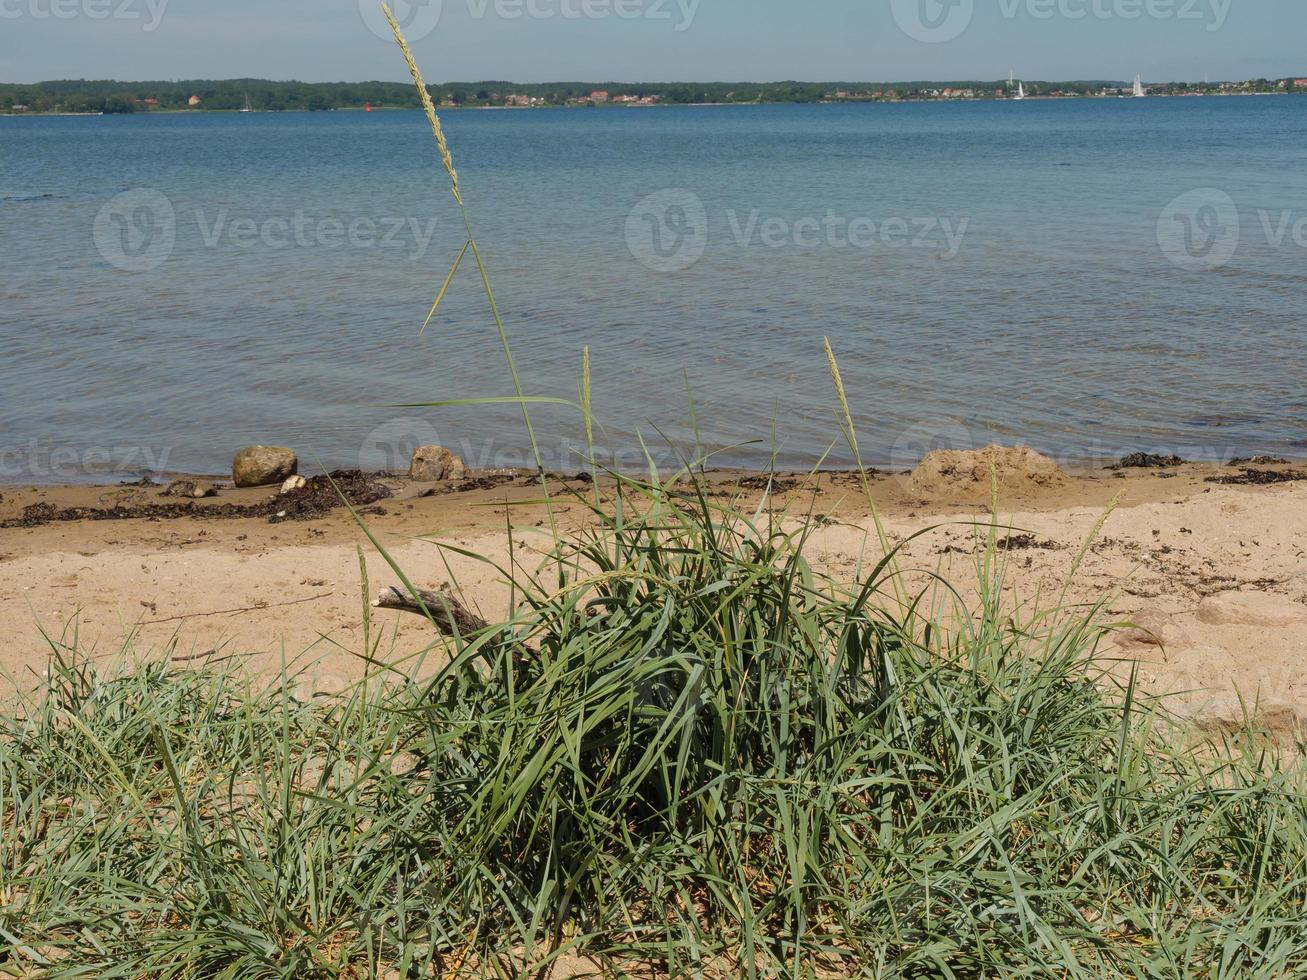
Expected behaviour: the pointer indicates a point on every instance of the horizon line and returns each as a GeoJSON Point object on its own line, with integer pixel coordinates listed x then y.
{"type": "Point", "coordinates": [683, 81]}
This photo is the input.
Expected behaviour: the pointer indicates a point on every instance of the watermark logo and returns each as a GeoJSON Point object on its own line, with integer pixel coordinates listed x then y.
{"type": "Point", "coordinates": [419, 18]}
{"type": "Point", "coordinates": [933, 21]}
{"type": "Point", "coordinates": [416, 18]}
{"type": "Point", "coordinates": [149, 13]}
{"type": "Point", "coordinates": [919, 440]}
{"type": "Point", "coordinates": [136, 230]}
{"type": "Point", "coordinates": [390, 446]}
{"type": "Point", "coordinates": [1199, 230]}
{"type": "Point", "coordinates": [673, 688]}
{"type": "Point", "coordinates": [668, 230]}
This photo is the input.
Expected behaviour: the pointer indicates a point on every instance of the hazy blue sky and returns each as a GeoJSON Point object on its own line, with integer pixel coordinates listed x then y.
{"type": "Point", "coordinates": [655, 40]}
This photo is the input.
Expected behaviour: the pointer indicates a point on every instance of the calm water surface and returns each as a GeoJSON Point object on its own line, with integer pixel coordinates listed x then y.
{"type": "Point", "coordinates": [984, 271]}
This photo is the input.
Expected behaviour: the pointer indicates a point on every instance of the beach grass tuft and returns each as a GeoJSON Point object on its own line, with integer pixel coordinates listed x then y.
{"type": "Point", "coordinates": [686, 753]}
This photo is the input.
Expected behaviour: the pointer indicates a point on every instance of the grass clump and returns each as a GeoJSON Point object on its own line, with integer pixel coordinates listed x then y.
{"type": "Point", "coordinates": [688, 754]}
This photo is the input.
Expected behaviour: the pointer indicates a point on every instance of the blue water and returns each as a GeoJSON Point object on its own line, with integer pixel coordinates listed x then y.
{"type": "Point", "coordinates": [1018, 292]}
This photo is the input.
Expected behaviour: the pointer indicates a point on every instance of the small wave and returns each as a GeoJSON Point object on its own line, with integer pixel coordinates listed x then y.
{"type": "Point", "coordinates": [1221, 421]}
{"type": "Point", "coordinates": [26, 198]}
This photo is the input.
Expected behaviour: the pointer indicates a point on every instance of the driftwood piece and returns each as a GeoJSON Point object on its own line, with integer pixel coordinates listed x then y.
{"type": "Point", "coordinates": [451, 617]}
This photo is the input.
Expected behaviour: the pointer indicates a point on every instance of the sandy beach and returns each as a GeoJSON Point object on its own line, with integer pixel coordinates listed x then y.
{"type": "Point", "coordinates": [1213, 575]}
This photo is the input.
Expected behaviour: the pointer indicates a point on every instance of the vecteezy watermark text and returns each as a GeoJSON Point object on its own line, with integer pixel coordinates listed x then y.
{"type": "Point", "coordinates": [839, 231]}
{"type": "Point", "coordinates": [679, 13]}
{"type": "Point", "coordinates": [419, 18]}
{"type": "Point", "coordinates": [137, 231]}
{"type": "Point", "coordinates": [939, 21]}
{"type": "Point", "coordinates": [303, 230]}
{"type": "Point", "coordinates": [390, 447]}
{"type": "Point", "coordinates": [1211, 14]}
{"type": "Point", "coordinates": [669, 231]}
{"type": "Point", "coordinates": [41, 463]}
{"type": "Point", "coordinates": [148, 12]}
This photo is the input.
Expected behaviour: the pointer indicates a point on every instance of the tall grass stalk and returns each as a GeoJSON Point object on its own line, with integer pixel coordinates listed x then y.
{"type": "Point", "coordinates": [447, 161]}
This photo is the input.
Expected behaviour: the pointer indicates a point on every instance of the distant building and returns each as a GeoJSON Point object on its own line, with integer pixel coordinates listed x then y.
{"type": "Point", "coordinates": [520, 101]}
{"type": "Point", "coordinates": [598, 96]}
{"type": "Point", "coordinates": [193, 101]}
{"type": "Point", "coordinates": [1300, 83]}
{"type": "Point", "coordinates": [19, 108]}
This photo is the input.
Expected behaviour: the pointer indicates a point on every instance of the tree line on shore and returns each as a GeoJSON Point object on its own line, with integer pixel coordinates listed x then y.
{"type": "Point", "coordinates": [113, 97]}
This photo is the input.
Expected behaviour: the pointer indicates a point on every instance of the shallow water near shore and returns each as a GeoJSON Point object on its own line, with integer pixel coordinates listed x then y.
{"type": "Point", "coordinates": [1038, 272]}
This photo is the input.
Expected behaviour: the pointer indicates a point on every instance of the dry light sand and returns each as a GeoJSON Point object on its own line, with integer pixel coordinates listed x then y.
{"type": "Point", "coordinates": [1215, 576]}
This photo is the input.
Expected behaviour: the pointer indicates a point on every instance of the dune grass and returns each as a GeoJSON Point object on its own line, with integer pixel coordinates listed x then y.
{"type": "Point", "coordinates": [684, 752]}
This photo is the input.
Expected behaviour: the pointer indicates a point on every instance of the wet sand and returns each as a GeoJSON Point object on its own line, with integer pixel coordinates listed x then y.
{"type": "Point", "coordinates": [196, 587]}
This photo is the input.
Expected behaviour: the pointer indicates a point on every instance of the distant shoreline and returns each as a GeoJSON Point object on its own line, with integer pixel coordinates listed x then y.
{"type": "Point", "coordinates": [662, 105]}
{"type": "Point", "coordinates": [114, 97]}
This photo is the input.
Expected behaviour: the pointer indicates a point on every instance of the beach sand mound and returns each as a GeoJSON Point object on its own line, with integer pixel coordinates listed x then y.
{"type": "Point", "coordinates": [968, 474]}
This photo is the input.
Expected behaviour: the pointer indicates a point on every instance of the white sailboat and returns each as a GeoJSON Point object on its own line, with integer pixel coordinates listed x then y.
{"type": "Point", "coordinates": [1021, 87]}
{"type": "Point", "coordinates": [247, 103]}
{"type": "Point", "coordinates": [1139, 87]}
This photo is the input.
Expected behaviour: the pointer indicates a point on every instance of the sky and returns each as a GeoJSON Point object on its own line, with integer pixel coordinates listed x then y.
{"type": "Point", "coordinates": [655, 40]}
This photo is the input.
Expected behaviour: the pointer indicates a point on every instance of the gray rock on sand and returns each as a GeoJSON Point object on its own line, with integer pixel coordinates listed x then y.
{"type": "Point", "coordinates": [1230, 715]}
{"type": "Point", "coordinates": [432, 464]}
{"type": "Point", "coordinates": [1016, 469]}
{"type": "Point", "coordinates": [1251, 609]}
{"type": "Point", "coordinates": [263, 466]}
{"type": "Point", "coordinates": [188, 489]}
{"type": "Point", "coordinates": [1152, 628]}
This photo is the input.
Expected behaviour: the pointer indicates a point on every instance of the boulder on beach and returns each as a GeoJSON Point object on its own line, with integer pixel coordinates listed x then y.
{"type": "Point", "coordinates": [432, 464]}
{"type": "Point", "coordinates": [188, 489]}
{"type": "Point", "coordinates": [967, 473]}
{"type": "Point", "coordinates": [1230, 715]}
{"type": "Point", "coordinates": [1252, 609]}
{"type": "Point", "coordinates": [263, 466]}
{"type": "Point", "coordinates": [1149, 630]}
